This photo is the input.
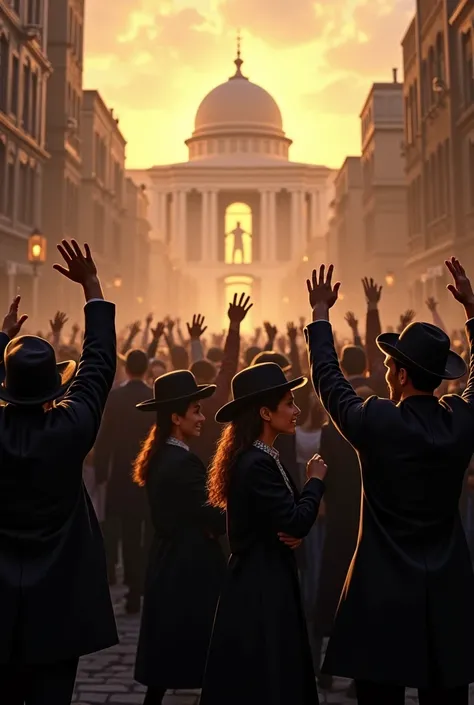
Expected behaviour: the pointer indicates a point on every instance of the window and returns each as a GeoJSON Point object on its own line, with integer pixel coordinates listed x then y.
{"type": "Point", "coordinates": [31, 14]}
{"type": "Point", "coordinates": [31, 200]}
{"type": "Point", "coordinates": [16, 4]}
{"type": "Point", "coordinates": [23, 192]}
{"type": "Point", "coordinates": [238, 234]}
{"type": "Point", "coordinates": [15, 82]}
{"type": "Point", "coordinates": [4, 61]}
{"type": "Point", "coordinates": [440, 62]}
{"type": "Point", "coordinates": [467, 68]}
{"type": "Point", "coordinates": [3, 166]}
{"type": "Point", "coordinates": [34, 105]}
{"type": "Point", "coordinates": [471, 175]}
{"type": "Point", "coordinates": [11, 174]}
{"type": "Point", "coordinates": [425, 89]}
{"type": "Point", "coordinates": [26, 97]}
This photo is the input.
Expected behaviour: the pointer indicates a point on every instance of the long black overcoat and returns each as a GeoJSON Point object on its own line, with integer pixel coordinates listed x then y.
{"type": "Point", "coordinates": [406, 614]}
{"type": "Point", "coordinates": [54, 597]}
{"type": "Point", "coordinates": [185, 573]}
{"type": "Point", "coordinates": [341, 522]}
{"type": "Point", "coordinates": [259, 653]}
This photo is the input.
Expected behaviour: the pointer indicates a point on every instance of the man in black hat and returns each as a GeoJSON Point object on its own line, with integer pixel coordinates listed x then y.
{"type": "Point", "coordinates": [406, 615]}
{"type": "Point", "coordinates": [114, 454]}
{"type": "Point", "coordinates": [54, 598]}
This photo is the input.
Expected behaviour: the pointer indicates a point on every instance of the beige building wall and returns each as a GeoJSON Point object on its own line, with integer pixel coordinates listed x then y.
{"type": "Point", "coordinates": [102, 198]}
{"type": "Point", "coordinates": [384, 195]}
{"type": "Point", "coordinates": [24, 73]}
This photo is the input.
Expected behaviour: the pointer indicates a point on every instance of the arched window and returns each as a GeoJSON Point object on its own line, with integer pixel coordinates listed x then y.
{"type": "Point", "coordinates": [238, 234]}
{"type": "Point", "coordinates": [440, 63]}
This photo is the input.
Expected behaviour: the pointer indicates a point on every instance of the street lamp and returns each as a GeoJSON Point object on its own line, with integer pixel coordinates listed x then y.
{"type": "Point", "coordinates": [389, 279]}
{"type": "Point", "coordinates": [36, 257]}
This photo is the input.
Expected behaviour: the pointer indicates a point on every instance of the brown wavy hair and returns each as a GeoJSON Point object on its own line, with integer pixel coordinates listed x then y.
{"type": "Point", "coordinates": [235, 439]}
{"type": "Point", "coordinates": [156, 439]}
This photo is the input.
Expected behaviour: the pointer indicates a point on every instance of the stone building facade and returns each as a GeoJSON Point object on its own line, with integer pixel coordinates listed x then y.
{"type": "Point", "coordinates": [439, 127]}
{"type": "Point", "coordinates": [24, 73]}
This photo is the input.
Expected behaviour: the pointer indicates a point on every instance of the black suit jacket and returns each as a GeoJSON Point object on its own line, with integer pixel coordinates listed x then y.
{"type": "Point", "coordinates": [54, 597]}
{"type": "Point", "coordinates": [123, 430]}
{"type": "Point", "coordinates": [407, 611]}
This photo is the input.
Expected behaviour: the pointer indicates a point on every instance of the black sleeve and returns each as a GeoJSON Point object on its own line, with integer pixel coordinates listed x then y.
{"type": "Point", "coordinates": [209, 518]}
{"type": "Point", "coordinates": [274, 500]}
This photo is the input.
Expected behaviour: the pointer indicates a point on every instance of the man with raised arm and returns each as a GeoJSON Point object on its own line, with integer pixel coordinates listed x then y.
{"type": "Point", "coordinates": [54, 599]}
{"type": "Point", "coordinates": [406, 614]}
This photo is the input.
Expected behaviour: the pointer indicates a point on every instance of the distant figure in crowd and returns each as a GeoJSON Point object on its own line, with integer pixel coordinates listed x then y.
{"type": "Point", "coordinates": [186, 565]}
{"type": "Point", "coordinates": [406, 616]}
{"type": "Point", "coordinates": [259, 651]}
{"type": "Point", "coordinates": [121, 434]}
{"type": "Point", "coordinates": [54, 598]}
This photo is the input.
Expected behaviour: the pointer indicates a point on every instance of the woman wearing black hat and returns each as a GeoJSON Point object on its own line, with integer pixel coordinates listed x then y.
{"type": "Point", "coordinates": [186, 564]}
{"type": "Point", "coordinates": [259, 651]}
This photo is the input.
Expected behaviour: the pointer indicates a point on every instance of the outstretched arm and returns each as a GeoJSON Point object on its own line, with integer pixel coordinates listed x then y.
{"type": "Point", "coordinates": [345, 408]}
{"type": "Point", "coordinates": [461, 289]}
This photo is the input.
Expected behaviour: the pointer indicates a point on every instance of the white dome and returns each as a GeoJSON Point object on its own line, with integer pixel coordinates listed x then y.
{"type": "Point", "coordinates": [238, 117]}
{"type": "Point", "coordinates": [238, 103]}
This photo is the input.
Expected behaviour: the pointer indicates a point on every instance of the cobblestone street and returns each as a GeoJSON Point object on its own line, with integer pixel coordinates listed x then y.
{"type": "Point", "coordinates": [107, 677]}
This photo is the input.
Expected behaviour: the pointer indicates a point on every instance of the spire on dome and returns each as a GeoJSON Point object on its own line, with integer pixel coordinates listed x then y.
{"type": "Point", "coordinates": [238, 61]}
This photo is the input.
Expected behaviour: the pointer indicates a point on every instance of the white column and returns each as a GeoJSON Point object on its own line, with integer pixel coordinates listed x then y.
{"type": "Point", "coordinates": [295, 223]}
{"type": "Point", "coordinates": [175, 223]}
{"type": "Point", "coordinates": [162, 215]}
{"type": "Point", "coordinates": [205, 230]}
{"type": "Point", "coordinates": [304, 222]}
{"type": "Point", "coordinates": [214, 232]}
{"type": "Point", "coordinates": [264, 226]}
{"type": "Point", "coordinates": [315, 214]}
{"type": "Point", "coordinates": [271, 251]}
{"type": "Point", "coordinates": [182, 225]}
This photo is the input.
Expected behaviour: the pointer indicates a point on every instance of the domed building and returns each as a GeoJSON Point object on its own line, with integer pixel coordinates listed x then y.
{"type": "Point", "coordinates": [238, 216]}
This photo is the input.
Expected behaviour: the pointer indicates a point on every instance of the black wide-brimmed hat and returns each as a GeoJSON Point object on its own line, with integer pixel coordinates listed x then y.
{"type": "Point", "coordinates": [272, 356]}
{"type": "Point", "coordinates": [32, 375]}
{"type": "Point", "coordinates": [252, 384]}
{"type": "Point", "coordinates": [425, 347]}
{"type": "Point", "coordinates": [176, 386]}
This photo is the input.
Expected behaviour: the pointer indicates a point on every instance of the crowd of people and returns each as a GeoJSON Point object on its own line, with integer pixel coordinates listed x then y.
{"type": "Point", "coordinates": [255, 514]}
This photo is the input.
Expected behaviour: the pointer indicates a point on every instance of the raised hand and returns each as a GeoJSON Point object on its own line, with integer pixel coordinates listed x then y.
{"type": "Point", "coordinates": [134, 329]}
{"type": "Point", "coordinates": [158, 331]}
{"type": "Point", "coordinates": [239, 309]}
{"type": "Point", "coordinates": [351, 320]}
{"type": "Point", "coordinates": [80, 267]}
{"type": "Point", "coordinates": [292, 331]}
{"type": "Point", "coordinates": [371, 290]}
{"type": "Point", "coordinates": [320, 288]}
{"type": "Point", "coordinates": [432, 304]}
{"type": "Point", "coordinates": [149, 319]}
{"type": "Point", "coordinates": [405, 319]}
{"type": "Point", "coordinates": [271, 331]}
{"type": "Point", "coordinates": [197, 327]}
{"type": "Point", "coordinates": [11, 323]}
{"type": "Point", "coordinates": [58, 322]}
{"type": "Point", "coordinates": [461, 289]}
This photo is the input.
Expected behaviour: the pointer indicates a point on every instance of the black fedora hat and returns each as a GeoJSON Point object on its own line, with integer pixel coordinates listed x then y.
{"type": "Point", "coordinates": [178, 385]}
{"type": "Point", "coordinates": [252, 384]}
{"type": "Point", "coordinates": [272, 356]}
{"type": "Point", "coordinates": [426, 347]}
{"type": "Point", "coordinates": [32, 375]}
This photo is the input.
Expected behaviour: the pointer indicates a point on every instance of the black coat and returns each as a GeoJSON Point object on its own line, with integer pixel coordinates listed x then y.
{"type": "Point", "coordinates": [185, 573]}
{"type": "Point", "coordinates": [341, 522]}
{"type": "Point", "coordinates": [123, 429]}
{"type": "Point", "coordinates": [407, 612]}
{"type": "Point", "coordinates": [259, 652]}
{"type": "Point", "coordinates": [54, 598]}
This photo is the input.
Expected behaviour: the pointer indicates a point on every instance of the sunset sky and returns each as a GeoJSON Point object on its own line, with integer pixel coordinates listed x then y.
{"type": "Point", "coordinates": [155, 63]}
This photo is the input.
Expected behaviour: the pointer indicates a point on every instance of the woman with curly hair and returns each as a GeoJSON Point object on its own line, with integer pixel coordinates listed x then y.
{"type": "Point", "coordinates": [259, 652]}
{"type": "Point", "coordinates": [186, 564]}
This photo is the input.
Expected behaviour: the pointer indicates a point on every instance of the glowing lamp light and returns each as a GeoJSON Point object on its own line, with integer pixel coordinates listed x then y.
{"type": "Point", "coordinates": [140, 299]}
{"type": "Point", "coordinates": [36, 248]}
{"type": "Point", "coordinates": [286, 300]}
{"type": "Point", "coordinates": [118, 282]}
{"type": "Point", "coordinates": [340, 296]}
{"type": "Point", "coordinates": [306, 258]}
{"type": "Point", "coordinates": [389, 279]}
